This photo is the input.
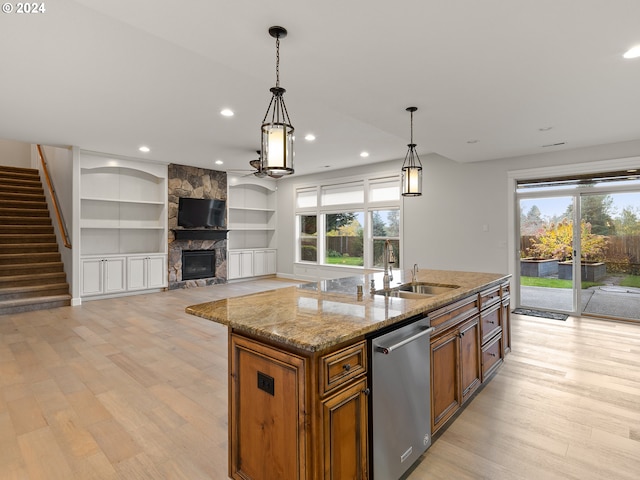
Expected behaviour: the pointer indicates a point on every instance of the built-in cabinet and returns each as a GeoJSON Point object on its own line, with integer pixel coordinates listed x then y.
{"type": "Point", "coordinates": [123, 225]}
{"type": "Point", "coordinates": [252, 227]}
{"type": "Point", "coordinates": [467, 347]}
{"type": "Point", "coordinates": [311, 410]}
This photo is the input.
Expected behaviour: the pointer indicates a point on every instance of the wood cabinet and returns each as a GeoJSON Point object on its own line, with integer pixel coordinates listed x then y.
{"type": "Point", "coordinates": [455, 369]}
{"type": "Point", "coordinates": [467, 347]}
{"type": "Point", "coordinates": [296, 415]}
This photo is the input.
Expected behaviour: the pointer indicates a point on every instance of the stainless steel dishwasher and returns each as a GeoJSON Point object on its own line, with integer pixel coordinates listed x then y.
{"type": "Point", "coordinates": [400, 399]}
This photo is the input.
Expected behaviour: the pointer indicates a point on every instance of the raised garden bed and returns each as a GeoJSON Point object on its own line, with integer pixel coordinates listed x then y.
{"type": "Point", "coordinates": [591, 272]}
{"type": "Point", "coordinates": [535, 267]}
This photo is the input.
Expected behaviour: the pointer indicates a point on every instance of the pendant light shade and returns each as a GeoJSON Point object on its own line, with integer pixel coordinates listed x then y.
{"type": "Point", "coordinates": [412, 167]}
{"type": "Point", "coordinates": [276, 131]}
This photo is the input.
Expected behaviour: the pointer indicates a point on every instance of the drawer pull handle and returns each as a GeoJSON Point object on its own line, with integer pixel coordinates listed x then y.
{"type": "Point", "coordinates": [366, 391]}
{"type": "Point", "coordinates": [346, 367]}
{"type": "Point", "coordinates": [491, 321]}
{"type": "Point", "coordinates": [492, 354]}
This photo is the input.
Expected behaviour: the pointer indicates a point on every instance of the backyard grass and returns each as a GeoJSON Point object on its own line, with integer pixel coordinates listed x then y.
{"type": "Point", "coordinates": [552, 282]}
{"type": "Point", "coordinates": [630, 281]}
{"type": "Point", "coordinates": [351, 261]}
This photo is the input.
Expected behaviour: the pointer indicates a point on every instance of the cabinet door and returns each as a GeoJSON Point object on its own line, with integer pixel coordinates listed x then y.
{"type": "Point", "coordinates": [259, 262]}
{"type": "Point", "coordinates": [136, 273]}
{"type": "Point", "coordinates": [445, 390]}
{"type": "Point", "coordinates": [270, 266]}
{"type": "Point", "coordinates": [470, 364]}
{"type": "Point", "coordinates": [233, 265]}
{"type": "Point", "coordinates": [345, 433]}
{"type": "Point", "coordinates": [156, 272]}
{"type": "Point", "coordinates": [267, 412]}
{"type": "Point", "coordinates": [246, 264]}
{"type": "Point", "coordinates": [114, 275]}
{"type": "Point", "coordinates": [91, 271]}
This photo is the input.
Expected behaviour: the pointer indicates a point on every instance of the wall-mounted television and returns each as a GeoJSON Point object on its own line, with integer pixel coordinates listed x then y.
{"type": "Point", "coordinates": [201, 213]}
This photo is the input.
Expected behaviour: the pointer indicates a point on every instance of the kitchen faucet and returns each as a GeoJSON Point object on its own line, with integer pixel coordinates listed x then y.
{"type": "Point", "coordinates": [414, 272]}
{"type": "Point", "coordinates": [389, 258]}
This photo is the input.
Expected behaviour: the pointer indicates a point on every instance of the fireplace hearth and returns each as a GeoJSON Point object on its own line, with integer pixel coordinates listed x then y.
{"type": "Point", "coordinates": [197, 264]}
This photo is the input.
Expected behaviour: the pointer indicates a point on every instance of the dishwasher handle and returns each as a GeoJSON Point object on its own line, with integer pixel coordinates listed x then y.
{"type": "Point", "coordinates": [391, 348]}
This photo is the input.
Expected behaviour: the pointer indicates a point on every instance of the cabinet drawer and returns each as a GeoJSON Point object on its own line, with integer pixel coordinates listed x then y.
{"type": "Point", "coordinates": [492, 355]}
{"type": "Point", "coordinates": [453, 313]}
{"type": "Point", "coordinates": [339, 367]}
{"type": "Point", "coordinates": [489, 297]}
{"type": "Point", "coordinates": [490, 322]}
{"type": "Point", "coordinates": [505, 289]}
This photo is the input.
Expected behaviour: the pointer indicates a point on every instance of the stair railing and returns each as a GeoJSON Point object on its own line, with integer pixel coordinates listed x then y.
{"type": "Point", "coordinates": [54, 198]}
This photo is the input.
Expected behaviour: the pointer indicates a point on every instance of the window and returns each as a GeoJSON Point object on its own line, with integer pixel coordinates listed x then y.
{"type": "Point", "coordinates": [347, 224]}
{"type": "Point", "coordinates": [308, 234]}
{"type": "Point", "coordinates": [344, 239]}
{"type": "Point", "coordinates": [385, 225]}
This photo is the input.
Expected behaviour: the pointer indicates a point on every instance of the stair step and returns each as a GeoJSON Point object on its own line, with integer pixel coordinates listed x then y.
{"type": "Point", "coordinates": [33, 291]}
{"type": "Point", "coordinates": [21, 196]}
{"type": "Point", "coordinates": [33, 190]}
{"type": "Point", "coordinates": [18, 239]}
{"type": "Point", "coordinates": [27, 229]}
{"type": "Point", "coordinates": [31, 279]}
{"type": "Point", "coordinates": [26, 212]}
{"type": "Point", "coordinates": [21, 182]}
{"type": "Point", "coordinates": [30, 268]}
{"type": "Point", "coordinates": [29, 248]}
{"type": "Point", "coordinates": [8, 307]}
{"type": "Point", "coordinates": [12, 220]}
{"type": "Point", "coordinates": [23, 258]}
{"type": "Point", "coordinates": [8, 170]}
{"type": "Point", "coordinates": [27, 204]}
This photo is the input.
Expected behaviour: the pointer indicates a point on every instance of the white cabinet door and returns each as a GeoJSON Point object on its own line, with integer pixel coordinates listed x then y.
{"type": "Point", "coordinates": [233, 265]}
{"type": "Point", "coordinates": [136, 273]}
{"type": "Point", "coordinates": [246, 263]}
{"type": "Point", "coordinates": [91, 271]}
{"type": "Point", "coordinates": [114, 275]}
{"type": "Point", "coordinates": [102, 275]}
{"type": "Point", "coordinates": [146, 272]}
{"type": "Point", "coordinates": [259, 262]}
{"type": "Point", "coordinates": [270, 264]}
{"type": "Point", "coordinates": [157, 271]}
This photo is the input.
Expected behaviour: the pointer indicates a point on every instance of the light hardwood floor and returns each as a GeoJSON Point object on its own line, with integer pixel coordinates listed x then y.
{"type": "Point", "coordinates": [134, 388]}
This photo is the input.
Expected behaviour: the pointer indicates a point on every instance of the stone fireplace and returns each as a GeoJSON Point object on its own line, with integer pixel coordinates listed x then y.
{"type": "Point", "coordinates": [207, 249]}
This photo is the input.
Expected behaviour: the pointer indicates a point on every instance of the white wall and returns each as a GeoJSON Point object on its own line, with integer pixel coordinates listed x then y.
{"type": "Point", "coordinates": [461, 221]}
{"type": "Point", "coordinates": [15, 154]}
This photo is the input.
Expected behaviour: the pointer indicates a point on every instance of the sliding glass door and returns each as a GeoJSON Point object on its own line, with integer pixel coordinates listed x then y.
{"type": "Point", "coordinates": [546, 248]}
{"type": "Point", "coordinates": [579, 246]}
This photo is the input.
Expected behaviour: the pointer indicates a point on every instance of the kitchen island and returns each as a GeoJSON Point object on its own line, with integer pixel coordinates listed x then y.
{"type": "Point", "coordinates": [298, 365]}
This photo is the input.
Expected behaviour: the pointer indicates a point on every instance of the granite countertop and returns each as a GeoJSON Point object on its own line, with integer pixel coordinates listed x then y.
{"type": "Point", "coordinates": [316, 316]}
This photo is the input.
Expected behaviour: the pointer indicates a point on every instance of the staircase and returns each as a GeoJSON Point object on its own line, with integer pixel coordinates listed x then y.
{"type": "Point", "coordinates": [31, 271]}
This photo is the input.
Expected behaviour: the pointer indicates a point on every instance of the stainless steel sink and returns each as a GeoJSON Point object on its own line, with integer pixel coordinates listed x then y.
{"type": "Point", "coordinates": [417, 290]}
{"type": "Point", "coordinates": [424, 288]}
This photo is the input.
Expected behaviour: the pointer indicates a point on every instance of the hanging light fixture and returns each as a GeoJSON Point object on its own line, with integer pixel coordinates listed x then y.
{"type": "Point", "coordinates": [277, 132]}
{"type": "Point", "coordinates": [411, 168]}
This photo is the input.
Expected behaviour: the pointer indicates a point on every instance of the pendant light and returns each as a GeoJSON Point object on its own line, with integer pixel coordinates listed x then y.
{"type": "Point", "coordinates": [277, 132]}
{"type": "Point", "coordinates": [411, 168]}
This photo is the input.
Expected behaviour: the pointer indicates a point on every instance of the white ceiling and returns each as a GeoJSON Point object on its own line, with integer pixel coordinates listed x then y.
{"type": "Point", "coordinates": [111, 75]}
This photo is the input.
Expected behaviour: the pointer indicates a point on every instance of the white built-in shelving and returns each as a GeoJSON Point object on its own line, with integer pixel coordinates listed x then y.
{"type": "Point", "coordinates": [123, 218]}
{"type": "Point", "coordinates": [252, 227]}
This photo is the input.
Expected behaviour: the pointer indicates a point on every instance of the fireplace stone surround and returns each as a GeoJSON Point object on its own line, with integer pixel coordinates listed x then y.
{"type": "Point", "coordinates": [193, 182]}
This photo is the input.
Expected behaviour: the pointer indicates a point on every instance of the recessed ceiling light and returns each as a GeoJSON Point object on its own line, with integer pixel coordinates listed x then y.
{"type": "Point", "coordinates": [219, 162]}
{"type": "Point", "coordinates": [632, 170]}
{"type": "Point", "coordinates": [227, 112]}
{"type": "Point", "coordinates": [310, 137]}
{"type": "Point", "coordinates": [633, 52]}
{"type": "Point", "coordinates": [364, 154]}
{"type": "Point", "coordinates": [144, 149]}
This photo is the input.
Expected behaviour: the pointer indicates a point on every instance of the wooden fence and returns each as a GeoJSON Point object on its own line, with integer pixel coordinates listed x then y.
{"type": "Point", "coordinates": [623, 252]}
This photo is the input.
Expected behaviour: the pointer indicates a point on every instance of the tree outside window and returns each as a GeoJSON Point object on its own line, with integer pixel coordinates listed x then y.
{"type": "Point", "coordinates": [344, 239]}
